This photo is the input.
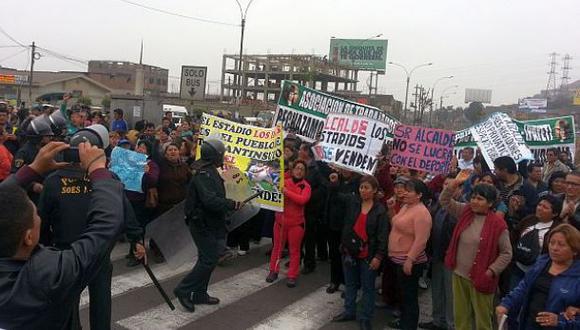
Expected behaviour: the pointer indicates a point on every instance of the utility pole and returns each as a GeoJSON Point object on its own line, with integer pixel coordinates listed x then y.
{"type": "Point", "coordinates": [551, 85]}
{"type": "Point", "coordinates": [416, 105]}
{"type": "Point", "coordinates": [31, 75]}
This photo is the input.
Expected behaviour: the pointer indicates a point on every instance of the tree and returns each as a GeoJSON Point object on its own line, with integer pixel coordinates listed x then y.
{"type": "Point", "coordinates": [106, 102]}
{"type": "Point", "coordinates": [85, 100]}
{"type": "Point", "coordinates": [474, 112]}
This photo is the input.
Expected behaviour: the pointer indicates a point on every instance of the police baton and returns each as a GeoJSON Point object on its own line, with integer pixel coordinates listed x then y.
{"type": "Point", "coordinates": [159, 287]}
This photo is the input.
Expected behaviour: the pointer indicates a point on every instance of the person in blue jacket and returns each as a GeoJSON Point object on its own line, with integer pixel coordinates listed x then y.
{"type": "Point", "coordinates": [548, 288]}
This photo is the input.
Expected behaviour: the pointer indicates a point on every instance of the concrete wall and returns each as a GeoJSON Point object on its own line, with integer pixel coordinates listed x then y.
{"type": "Point", "coordinates": [138, 108]}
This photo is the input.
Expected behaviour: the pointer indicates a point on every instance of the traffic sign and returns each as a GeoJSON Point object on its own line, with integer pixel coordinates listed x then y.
{"type": "Point", "coordinates": [193, 81]}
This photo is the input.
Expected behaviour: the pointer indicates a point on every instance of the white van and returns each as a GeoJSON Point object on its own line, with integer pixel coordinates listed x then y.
{"type": "Point", "coordinates": [178, 112]}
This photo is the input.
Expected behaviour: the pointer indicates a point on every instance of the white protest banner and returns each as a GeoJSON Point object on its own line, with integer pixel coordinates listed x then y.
{"type": "Point", "coordinates": [302, 110]}
{"type": "Point", "coordinates": [351, 142]}
{"type": "Point", "coordinates": [499, 136]}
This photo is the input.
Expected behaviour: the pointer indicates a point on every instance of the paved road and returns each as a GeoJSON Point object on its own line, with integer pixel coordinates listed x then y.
{"type": "Point", "coordinates": [247, 301]}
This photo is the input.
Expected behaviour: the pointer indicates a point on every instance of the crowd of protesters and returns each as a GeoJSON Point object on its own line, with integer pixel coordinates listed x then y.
{"type": "Point", "coordinates": [489, 243]}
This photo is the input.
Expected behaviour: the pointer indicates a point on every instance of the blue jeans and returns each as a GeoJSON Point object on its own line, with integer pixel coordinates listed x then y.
{"type": "Point", "coordinates": [358, 274]}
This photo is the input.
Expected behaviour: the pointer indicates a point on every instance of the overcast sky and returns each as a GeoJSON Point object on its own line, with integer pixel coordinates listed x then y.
{"type": "Point", "coordinates": [494, 44]}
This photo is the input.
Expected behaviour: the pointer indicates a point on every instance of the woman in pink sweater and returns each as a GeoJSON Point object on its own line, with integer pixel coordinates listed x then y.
{"type": "Point", "coordinates": [410, 230]}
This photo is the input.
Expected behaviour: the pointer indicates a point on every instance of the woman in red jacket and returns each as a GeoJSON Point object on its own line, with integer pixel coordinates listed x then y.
{"type": "Point", "coordinates": [289, 225]}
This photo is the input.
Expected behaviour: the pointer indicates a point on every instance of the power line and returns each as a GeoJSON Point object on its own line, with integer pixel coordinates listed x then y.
{"type": "Point", "coordinates": [13, 55]}
{"type": "Point", "coordinates": [199, 19]}
{"type": "Point", "coordinates": [68, 61]}
{"type": "Point", "coordinates": [12, 38]}
{"type": "Point", "coordinates": [62, 56]}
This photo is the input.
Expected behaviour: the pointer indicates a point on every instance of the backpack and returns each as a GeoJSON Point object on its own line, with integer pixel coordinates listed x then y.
{"type": "Point", "coordinates": [528, 248]}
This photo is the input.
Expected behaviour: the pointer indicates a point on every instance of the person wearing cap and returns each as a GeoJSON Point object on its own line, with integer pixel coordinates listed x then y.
{"type": "Point", "coordinates": [47, 109]}
{"type": "Point", "coordinates": [64, 200]}
{"type": "Point", "coordinates": [124, 143]}
{"type": "Point", "coordinates": [206, 206]}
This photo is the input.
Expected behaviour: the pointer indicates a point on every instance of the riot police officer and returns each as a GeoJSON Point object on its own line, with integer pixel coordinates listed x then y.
{"type": "Point", "coordinates": [38, 134]}
{"type": "Point", "coordinates": [63, 207]}
{"type": "Point", "coordinates": [206, 207]}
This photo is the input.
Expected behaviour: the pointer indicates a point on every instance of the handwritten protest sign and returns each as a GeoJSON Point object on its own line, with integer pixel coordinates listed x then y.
{"type": "Point", "coordinates": [303, 111]}
{"type": "Point", "coordinates": [539, 135]}
{"type": "Point", "coordinates": [129, 167]}
{"type": "Point", "coordinates": [351, 142]}
{"type": "Point", "coordinates": [499, 136]}
{"type": "Point", "coordinates": [424, 149]}
{"type": "Point", "coordinates": [255, 151]}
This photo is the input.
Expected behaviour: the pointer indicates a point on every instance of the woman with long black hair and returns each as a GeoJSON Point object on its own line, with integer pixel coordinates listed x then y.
{"type": "Point", "coordinates": [364, 247]}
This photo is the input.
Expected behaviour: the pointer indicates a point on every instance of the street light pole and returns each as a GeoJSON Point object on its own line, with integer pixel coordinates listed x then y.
{"type": "Point", "coordinates": [432, 95]}
{"type": "Point", "coordinates": [409, 73]}
{"type": "Point", "coordinates": [243, 15]}
{"type": "Point", "coordinates": [443, 95]}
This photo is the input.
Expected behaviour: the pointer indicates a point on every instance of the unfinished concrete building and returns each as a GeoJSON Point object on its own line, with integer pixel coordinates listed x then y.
{"type": "Point", "coordinates": [262, 75]}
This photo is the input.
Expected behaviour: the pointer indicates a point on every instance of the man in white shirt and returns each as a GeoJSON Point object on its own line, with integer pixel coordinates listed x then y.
{"type": "Point", "coordinates": [466, 161]}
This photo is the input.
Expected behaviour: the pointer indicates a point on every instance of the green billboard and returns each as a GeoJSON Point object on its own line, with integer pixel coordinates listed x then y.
{"type": "Point", "coordinates": [362, 54]}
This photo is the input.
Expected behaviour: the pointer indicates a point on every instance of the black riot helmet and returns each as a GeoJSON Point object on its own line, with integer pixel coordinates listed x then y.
{"type": "Point", "coordinates": [39, 126]}
{"type": "Point", "coordinates": [57, 122]}
{"type": "Point", "coordinates": [212, 151]}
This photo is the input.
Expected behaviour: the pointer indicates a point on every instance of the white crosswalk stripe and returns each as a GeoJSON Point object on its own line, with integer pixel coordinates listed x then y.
{"type": "Point", "coordinates": [242, 290]}
{"type": "Point", "coordinates": [119, 251]}
{"type": "Point", "coordinates": [229, 290]}
{"type": "Point", "coordinates": [310, 312]}
{"type": "Point", "coordinates": [138, 278]}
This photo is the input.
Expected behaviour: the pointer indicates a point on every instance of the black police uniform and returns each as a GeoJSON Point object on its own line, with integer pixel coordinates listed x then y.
{"type": "Point", "coordinates": [25, 156]}
{"type": "Point", "coordinates": [206, 207]}
{"type": "Point", "coordinates": [63, 208]}
{"type": "Point", "coordinates": [37, 293]}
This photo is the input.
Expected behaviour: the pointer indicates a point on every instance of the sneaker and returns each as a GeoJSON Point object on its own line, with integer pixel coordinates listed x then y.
{"type": "Point", "coordinates": [423, 283]}
{"type": "Point", "coordinates": [291, 283]}
{"type": "Point", "coordinates": [272, 277]}
{"type": "Point", "coordinates": [242, 252]}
